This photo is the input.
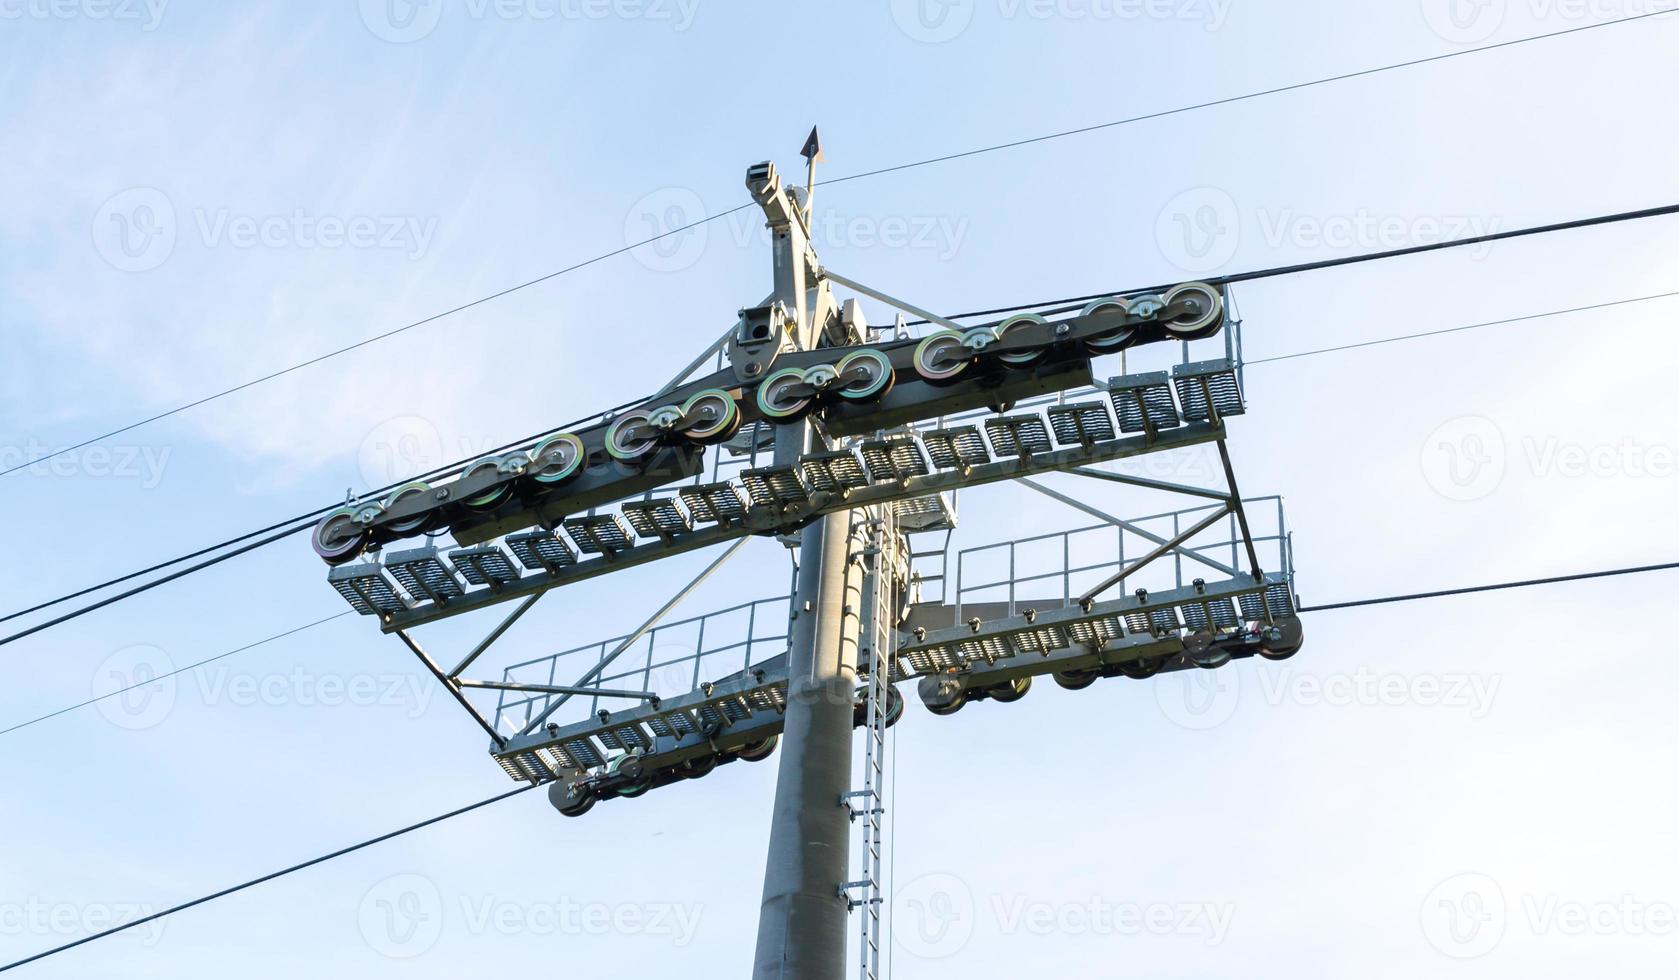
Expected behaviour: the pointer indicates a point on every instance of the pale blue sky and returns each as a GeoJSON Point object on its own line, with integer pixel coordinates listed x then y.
{"type": "Point", "coordinates": [1319, 815]}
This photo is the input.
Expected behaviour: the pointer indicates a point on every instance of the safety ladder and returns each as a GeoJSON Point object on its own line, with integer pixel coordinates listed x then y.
{"type": "Point", "coordinates": [882, 581]}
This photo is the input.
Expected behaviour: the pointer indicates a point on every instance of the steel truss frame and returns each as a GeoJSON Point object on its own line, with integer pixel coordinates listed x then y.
{"type": "Point", "coordinates": [735, 703]}
{"type": "Point", "coordinates": [879, 459]}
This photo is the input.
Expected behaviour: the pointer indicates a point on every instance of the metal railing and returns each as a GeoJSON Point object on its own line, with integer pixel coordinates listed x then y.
{"type": "Point", "coordinates": [669, 659]}
{"type": "Point", "coordinates": [1056, 562]}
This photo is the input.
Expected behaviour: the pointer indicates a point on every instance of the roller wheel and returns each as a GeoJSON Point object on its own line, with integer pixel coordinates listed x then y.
{"type": "Point", "coordinates": [759, 750]}
{"type": "Point", "coordinates": [338, 537]}
{"type": "Point", "coordinates": [665, 418]}
{"type": "Point", "coordinates": [698, 768]}
{"type": "Point", "coordinates": [877, 377]}
{"type": "Point", "coordinates": [630, 437]}
{"type": "Point", "coordinates": [491, 498]}
{"type": "Point", "coordinates": [717, 415]}
{"type": "Point", "coordinates": [1012, 691]}
{"type": "Point", "coordinates": [571, 799]}
{"type": "Point", "coordinates": [941, 356]}
{"type": "Point", "coordinates": [894, 708]}
{"type": "Point", "coordinates": [1203, 313]}
{"type": "Point", "coordinates": [557, 459]}
{"type": "Point", "coordinates": [414, 525]}
{"type": "Point", "coordinates": [631, 774]}
{"type": "Point", "coordinates": [1140, 670]}
{"type": "Point", "coordinates": [774, 400]}
{"type": "Point", "coordinates": [822, 377]}
{"type": "Point", "coordinates": [1113, 340]}
{"type": "Point", "coordinates": [1289, 635]}
{"type": "Point", "coordinates": [942, 693]}
{"type": "Point", "coordinates": [1014, 323]}
{"type": "Point", "coordinates": [1202, 651]}
{"type": "Point", "coordinates": [1076, 680]}
{"type": "Point", "coordinates": [949, 708]}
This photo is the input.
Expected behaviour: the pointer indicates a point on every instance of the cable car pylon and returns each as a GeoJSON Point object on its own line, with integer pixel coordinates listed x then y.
{"type": "Point", "coordinates": [848, 443]}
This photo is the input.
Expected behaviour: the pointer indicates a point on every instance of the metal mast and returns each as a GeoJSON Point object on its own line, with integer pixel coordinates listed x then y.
{"type": "Point", "coordinates": [802, 922]}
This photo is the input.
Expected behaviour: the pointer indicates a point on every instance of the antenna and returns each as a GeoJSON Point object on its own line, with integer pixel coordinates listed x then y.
{"type": "Point", "coordinates": [812, 152]}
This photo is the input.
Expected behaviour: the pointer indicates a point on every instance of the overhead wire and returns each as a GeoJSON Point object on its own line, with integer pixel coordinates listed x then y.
{"type": "Point", "coordinates": [1380, 600]}
{"type": "Point", "coordinates": [1224, 280]}
{"type": "Point", "coordinates": [283, 529]}
{"type": "Point", "coordinates": [142, 920]}
{"type": "Point", "coordinates": [993, 148]}
{"type": "Point", "coordinates": [304, 521]}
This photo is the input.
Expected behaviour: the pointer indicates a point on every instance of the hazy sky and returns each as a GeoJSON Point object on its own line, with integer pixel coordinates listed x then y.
{"type": "Point", "coordinates": [200, 193]}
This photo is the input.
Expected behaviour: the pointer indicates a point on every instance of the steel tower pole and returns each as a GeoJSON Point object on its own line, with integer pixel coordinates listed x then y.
{"type": "Point", "coordinates": [802, 923]}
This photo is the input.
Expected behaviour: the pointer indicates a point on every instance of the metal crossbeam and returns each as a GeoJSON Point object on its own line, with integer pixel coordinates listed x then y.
{"type": "Point", "coordinates": [568, 690]}
{"type": "Point", "coordinates": [636, 634]}
{"type": "Point", "coordinates": [1140, 532]}
{"type": "Point", "coordinates": [763, 522]}
{"type": "Point", "coordinates": [1164, 548]}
